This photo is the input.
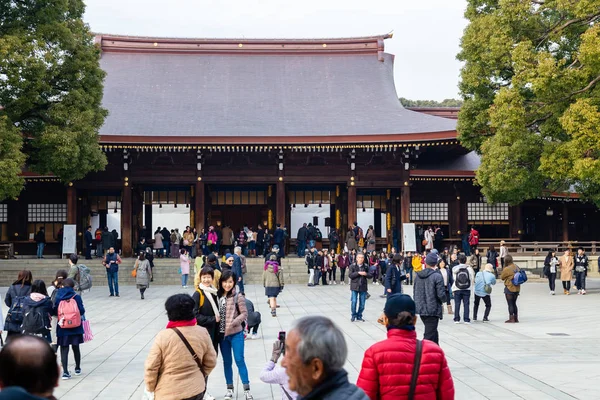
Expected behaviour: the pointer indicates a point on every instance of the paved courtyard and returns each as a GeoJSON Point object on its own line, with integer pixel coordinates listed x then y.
{"type": "Point", "coordinates": [554, 353]}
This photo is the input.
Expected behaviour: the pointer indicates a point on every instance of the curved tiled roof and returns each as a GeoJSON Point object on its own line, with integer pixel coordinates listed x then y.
{"type": "Point", "coordinates": [308, 94]}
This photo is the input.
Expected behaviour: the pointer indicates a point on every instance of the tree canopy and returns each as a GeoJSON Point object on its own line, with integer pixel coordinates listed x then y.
{"type": "Point", "coordinates": [530, 84]}
{"type": "Point", "coordinates": [430, 103]}
{"type": "Point", "coordinates": [50, 93]}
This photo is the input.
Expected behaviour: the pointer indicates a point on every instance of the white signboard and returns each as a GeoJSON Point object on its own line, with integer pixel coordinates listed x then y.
{"type": "Point", "coordinates": [69, 239]}
{"type": "Point", "coordinates": [409, 239]}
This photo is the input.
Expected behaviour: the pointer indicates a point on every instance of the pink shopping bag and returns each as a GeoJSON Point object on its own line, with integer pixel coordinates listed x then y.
{"type": "Point", "coordinates": [87, 331]}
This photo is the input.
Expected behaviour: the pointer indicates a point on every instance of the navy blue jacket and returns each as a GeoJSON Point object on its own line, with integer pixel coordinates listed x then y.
{"type": "Point", "coordinates": [393, 279]}
{"type": "Point", "coordinates": [67, 293]}
{"type": "Point", "coordinates": [89, 239]}
{"type": "Point", "coordinates": [237, 267]}
{"type": "Point", "coordinates": [278, 236]}
{"type": "Point", "coordinates": [114, 267]}
{"type": "Point", "coordinates": [44, 305]}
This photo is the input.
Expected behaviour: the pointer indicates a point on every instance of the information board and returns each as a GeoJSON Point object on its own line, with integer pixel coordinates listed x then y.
{"type": "Point", "coordinates": [69, 239]}
{"type": "Point", "coordinates": [409, 239]}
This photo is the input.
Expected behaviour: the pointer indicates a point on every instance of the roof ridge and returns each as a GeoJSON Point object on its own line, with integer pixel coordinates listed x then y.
{"type": "Point", "coordinates": [237, 39]}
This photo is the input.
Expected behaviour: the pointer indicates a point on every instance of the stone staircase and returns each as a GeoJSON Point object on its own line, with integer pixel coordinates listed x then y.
{"type": "Point", "coordinates": [166, 270]}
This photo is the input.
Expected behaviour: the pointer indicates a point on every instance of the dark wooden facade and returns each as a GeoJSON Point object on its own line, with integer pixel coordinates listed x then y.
{"type": "Point", "coordinates": [276, 143]}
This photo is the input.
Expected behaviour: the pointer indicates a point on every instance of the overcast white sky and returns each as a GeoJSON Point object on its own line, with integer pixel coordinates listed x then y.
{"type": "Point", "coordinates": [426, 32]}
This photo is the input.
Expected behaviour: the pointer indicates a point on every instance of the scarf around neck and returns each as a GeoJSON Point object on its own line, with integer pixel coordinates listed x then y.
{"type": "Point", "coordinates": [178, 324]}
{"type": "Point", "coordinates": [208, 291]}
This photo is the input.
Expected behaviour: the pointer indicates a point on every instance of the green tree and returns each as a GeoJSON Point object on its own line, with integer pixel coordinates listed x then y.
{"type": "Point", "coordinates": [531, 96]}
{"type": "Point", "coordinates": [431, 103]}
{"type": "Point", "coordinates": [50, 92]}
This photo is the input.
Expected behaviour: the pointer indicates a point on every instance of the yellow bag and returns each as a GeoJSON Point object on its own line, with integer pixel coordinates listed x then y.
{"type": "Point", "coordinates": [134, 272]}
{"type": "Point", "coordinates": [361, 242]}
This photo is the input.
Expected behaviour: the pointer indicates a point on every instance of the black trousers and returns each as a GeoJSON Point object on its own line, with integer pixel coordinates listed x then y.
{"type": "Point", "coordinates": [431, 328]}
{"type": "Point", "coordinates": [511, 300]}
{"type": "Point", "coordinates": [64, 357]}
{"type": "Point", "coordinates": [552, 281]}
{"type": "Point", "coordinates": [487, 300]}
{"type": "Point", "coordinates": [342, 274]}
{"type": "Point", "coordinates": [566, 285]}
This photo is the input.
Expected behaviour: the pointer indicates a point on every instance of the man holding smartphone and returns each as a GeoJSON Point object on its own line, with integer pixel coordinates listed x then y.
{"type": "Point", "coordinates": [359, 276]}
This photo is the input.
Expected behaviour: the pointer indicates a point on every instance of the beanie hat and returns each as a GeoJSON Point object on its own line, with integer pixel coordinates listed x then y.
{"type": "Point", "coordinates": [397, 303]}
{"type": "Point", "coordinates": [431, 259]}
{"type": "Point", "coordinates": [228, 255]}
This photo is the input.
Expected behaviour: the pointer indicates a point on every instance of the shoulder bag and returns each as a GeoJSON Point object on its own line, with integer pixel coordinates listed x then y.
{"type": "Point", "coordinates": [415, 371]}
{"type": "Point", "coordinates": [191, 350]}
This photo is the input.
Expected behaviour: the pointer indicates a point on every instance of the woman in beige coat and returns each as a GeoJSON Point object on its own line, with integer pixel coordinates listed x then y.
{"type": "Point", "coordinates": [171, 372]}
{"type": "Point", "coordinates": [566, 271]}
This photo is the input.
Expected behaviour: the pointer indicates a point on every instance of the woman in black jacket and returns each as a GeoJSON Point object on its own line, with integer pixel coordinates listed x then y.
{"type": "Point", "coordinates": [40, 301]}
{"type": "Point", "coordinates": [492, 258]}
{"type": "Point", "coordinates": [15, 297]}
{"type": "Point", "coordinates": [207, 306]}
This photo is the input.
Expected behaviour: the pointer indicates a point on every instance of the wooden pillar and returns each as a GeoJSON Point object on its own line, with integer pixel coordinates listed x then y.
{"type": "Point", "coordinates": [565, 223]}
{"type": "Point", "coordinates": [351, 205]}
{"type": "Point", "coordinates": [126, 214]}
{"type": "Point", "coordinates": [388, 219]}
{"type": "Point", "coordinates": [71, 205]}
{"type": "Point", "coordinates": [280, 203]}
{"type": "Point", "coordinates": [199, 203]}
{"type": "Point", "coordinates": [516, 222]}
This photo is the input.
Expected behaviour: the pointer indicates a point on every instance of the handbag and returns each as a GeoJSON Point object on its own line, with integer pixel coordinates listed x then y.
{"type": "Point", "coordinates": [88, 336]}
{"type": "Point", "coordinates": [190, 349]}
{"type": "Point", "coordinates": [415, 371]}
{"type": "Point", "coordinates": [486, 286]}
{"type": "Point", "coordinates": [134, 272]}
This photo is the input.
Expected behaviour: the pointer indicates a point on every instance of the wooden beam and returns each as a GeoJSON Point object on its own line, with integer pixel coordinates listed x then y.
{"type": "Point", "coordinates": [199, 201]}
{"type": "Point", "coordinates": [280, 205]}
{"type": "Point", "coordinates": [565, 223]}
{"type": "Point", "coordinates": [126, 214]}
{"type": "Point", "coordinates": [71, 205]}
{"type": "Point", "coordinates": [351, 205]}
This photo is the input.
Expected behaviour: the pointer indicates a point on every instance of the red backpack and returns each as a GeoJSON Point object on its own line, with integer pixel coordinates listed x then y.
{"type": "Point", "coordinates": [68, 314]}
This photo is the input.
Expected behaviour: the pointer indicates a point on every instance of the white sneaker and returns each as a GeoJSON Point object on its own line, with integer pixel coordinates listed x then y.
{"type": "Point", "coordinates": [377, 283]}
{"type": "Point", "coordinates": [583, 291]}
{"type": "Point", "coordinates": [207, 396]}
{"type": "Point", "coordinates": [457, 322]}
{"type": "Point", "coordinates": [334, 283]}
{"type": "Point", "coordinates": [248, 395]}
{"type": "Point", "coordinates": [552, 292]}
{"type": "Point", "coordinates": [579, 292]}
{"type": "Point", "coordinates": [228, 395]}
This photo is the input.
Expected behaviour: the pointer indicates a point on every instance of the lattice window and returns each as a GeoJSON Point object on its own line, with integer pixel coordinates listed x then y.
{"type": "Point", "coordinates": [46, 213]}
{"type": "Point", "coordinates": [239, 197]}
{"type": "Point", "coordinates": [429, 211]}
{"type": "Point", "coordinates": [3, 212]}
{"type": "Point", "coordinates": [487, 212]}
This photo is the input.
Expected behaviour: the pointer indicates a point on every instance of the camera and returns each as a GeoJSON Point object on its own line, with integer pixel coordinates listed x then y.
{"type": "Point", "coordinates": [281, 339]}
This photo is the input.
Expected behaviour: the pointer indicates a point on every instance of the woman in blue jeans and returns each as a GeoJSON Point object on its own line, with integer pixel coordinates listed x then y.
{"type": "Point", "coordinates": [232, 312]}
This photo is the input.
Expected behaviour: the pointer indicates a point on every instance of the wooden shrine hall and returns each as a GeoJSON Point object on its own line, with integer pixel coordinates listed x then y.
{"type": "Point", "coordinates": [253, 131]}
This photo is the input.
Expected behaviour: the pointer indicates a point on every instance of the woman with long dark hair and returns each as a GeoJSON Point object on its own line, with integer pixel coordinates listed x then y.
{"type": "Point", "coordinates": [20, 289]}
{"type": "Point", "coordinates": [550, 269]}
{"type": "Point", "coordinates": [232, 312]}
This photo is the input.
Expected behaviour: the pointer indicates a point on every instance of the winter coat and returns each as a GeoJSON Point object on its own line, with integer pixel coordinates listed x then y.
{"type": "Point", "coordinates": [40, 237]}
{"type": "Point", "coordinates": [170, 370]}
{"type": "Point", "coordinates": [278, 236]}
{"type": "Point", "coordinates": [107, 240]}
{"type": "Point", "coordinates": [16, 290]}
{"type": "Point", "coordinates": [370, 240]}
{"type": "Point", "coordinates": [205, 316]}
{"type": "Point", "coordinates": [158, 241]}
{"type": "Point", "coordinates": [343, 262]}
{"type": "Point", "coordinates": [253, 316]}
{"type": "Point", "coordinates": [302, 233]}
{"type": "Point", "coordinates": [566, 268]}
{"type": "Point", "coordinates": [272, 278]}
{"type": "Point", "coordinates": [45, 305]}
{"type": "Point", "coordinates": [475, 262]}
{"type": "Point", "coordinates": [351, 241]}
{"type": "Point", "coordinates": [336, 387]}
{"type": "Point", "coordinates": [358, 283]}
{"type": "Point", "coordinates": [429, 293]}
{"type": "Point", "coordinates": [184, 264]}
{"type": "Point", "coordinates": [233, 318]}
{"type": "Point", "coordinates": [387, 369]}
{"type": "Point", "coordinates": [67, 293]}
{"type": "Point", "coordinates": [237, 267]}
{"type": "Point", "coordinates": [507, 276]}
{"type": "Point", "coordinates": [581, 261]}
{"type": "Point", "coordinates": [112, 267]}
{"type": "Point", "coordinates": [492, 258]}
{"type": "Point", "coordinates": [394, 278]}
{"type": "Point", "coordinates": [143, 275]}
{"type": "Point", "coordinates": [481, 279]}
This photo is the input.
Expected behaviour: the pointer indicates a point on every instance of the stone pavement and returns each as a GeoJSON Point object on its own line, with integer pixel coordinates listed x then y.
{"type": "Point", "coordinates": [552, 354]}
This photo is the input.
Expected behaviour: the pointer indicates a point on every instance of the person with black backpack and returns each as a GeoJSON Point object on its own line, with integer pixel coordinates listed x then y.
{"type": "Point", "coordinates": [37, 310]}
{"type": "Point", "coordinates": [14, 300]}
{"type": "Point", "coordinates": [463, 276]}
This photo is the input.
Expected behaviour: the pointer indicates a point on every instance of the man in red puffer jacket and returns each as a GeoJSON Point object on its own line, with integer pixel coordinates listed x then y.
{"type": "Point", "coordinates": [388, 365]}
